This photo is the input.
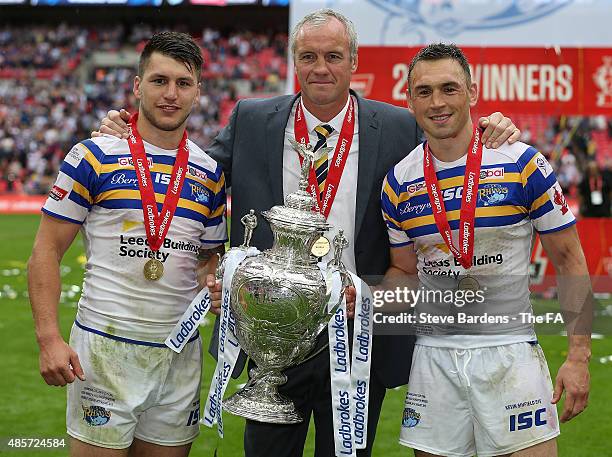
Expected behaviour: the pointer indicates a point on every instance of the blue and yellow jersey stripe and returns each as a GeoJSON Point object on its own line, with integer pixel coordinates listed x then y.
{"type": "Point", "coordinates": [109, 180]}
{"type": "Point", "coordinates": [514, 185]}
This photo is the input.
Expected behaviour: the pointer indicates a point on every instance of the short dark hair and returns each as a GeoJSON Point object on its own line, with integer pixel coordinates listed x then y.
{"type": "Point", "coordinates": [438, 51]}
{"type": "Point", "coordinates": [176, 45]}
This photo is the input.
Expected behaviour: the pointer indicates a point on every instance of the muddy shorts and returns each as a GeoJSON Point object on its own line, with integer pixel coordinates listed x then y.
{"type": "Point", "coordinates": [487, 401]}
{"type": "Point", "coordinates": [133, 390]}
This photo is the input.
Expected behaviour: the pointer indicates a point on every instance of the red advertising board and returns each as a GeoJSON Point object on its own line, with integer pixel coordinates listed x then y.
{"type": "Point", "coordinates": [527, 80]}
{"type": "Point", "coordinates": [596, 239]}
{"type": "Point", "coordinates": [21, 204]}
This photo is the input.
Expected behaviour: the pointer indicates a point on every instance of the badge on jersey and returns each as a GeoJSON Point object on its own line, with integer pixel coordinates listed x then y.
{"type": "Point", "coordinates": [543, 166]}
{"type": "Point", "coordinates": [199, 193]}
{"type": "Point", "coordinates": [129, 162]}
{"type": "Point", "coordinates": [75, 155]}
{"type": "Point", "coordinates": [57, 193]}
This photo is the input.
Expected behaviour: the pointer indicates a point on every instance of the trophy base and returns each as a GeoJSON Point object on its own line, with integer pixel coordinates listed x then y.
{"type": "Point", "coordinates": [272, 408]}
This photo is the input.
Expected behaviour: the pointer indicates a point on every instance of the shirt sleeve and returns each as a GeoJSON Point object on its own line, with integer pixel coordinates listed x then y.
{"type": "Point", "coordinates": [73, 192]}
{"type": "Point", "coordinates": [215, 226]}
{"type": "Point", "coordinates": [548, 209]}
{"type": "Point", "coordinates": [389, 200]}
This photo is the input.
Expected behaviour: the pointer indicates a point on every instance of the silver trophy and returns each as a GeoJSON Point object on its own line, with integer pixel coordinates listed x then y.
{"type": "Point", "coordinates": [279, 299]}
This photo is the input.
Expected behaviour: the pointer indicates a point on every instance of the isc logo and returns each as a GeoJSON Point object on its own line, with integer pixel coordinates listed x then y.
{"type": "Point", "coordinates": [161, 178]}
{"type": "Point", "coordinates": [452, 193]}
{"type": "Point", "coordinates": [527, 419]}
{"type": "Point", "coordinates": [194, 417]}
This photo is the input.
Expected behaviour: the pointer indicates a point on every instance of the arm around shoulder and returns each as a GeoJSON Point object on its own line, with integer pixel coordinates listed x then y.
{"type": "Point", "coordinates": [222, 146]}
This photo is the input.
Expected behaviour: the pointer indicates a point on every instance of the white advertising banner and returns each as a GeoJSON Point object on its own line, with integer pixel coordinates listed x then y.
{"type": "Point", "coordinates": [583, 23]}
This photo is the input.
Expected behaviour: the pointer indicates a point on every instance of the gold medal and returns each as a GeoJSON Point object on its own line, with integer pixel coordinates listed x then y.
{"type": "Point", "coordinates": [321, 247]}
{"type": "Point", "coordinates": [468, 283]}
{"type": "Point", "coordinates": [153, 270]}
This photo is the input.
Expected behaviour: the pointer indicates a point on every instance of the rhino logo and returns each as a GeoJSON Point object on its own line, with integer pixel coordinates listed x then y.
{"type": "Point", "coordinates": [95, 415]}
{"type": "Point", "coordinates": [410, 418]}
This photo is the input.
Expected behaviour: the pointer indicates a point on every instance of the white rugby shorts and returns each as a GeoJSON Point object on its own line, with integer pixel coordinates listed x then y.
{"type": "Point", "coordinates": [488, 401]}
{"type": "Point", "coordinates": [133, 390]}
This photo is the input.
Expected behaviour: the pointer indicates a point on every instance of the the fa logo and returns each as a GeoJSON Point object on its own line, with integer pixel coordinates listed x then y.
{"type": "Point", "coordinates": [194, 417]}
{"type": "Point", "coordinates": [603, 80]}
{"type": "Point", "coordinates": [527, 420]}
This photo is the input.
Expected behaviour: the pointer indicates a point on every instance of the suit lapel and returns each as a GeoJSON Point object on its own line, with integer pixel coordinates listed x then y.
{"type": "Point", "coordinates": [369, 139]}
{"type": "Point", "coordinates": [275, 140]}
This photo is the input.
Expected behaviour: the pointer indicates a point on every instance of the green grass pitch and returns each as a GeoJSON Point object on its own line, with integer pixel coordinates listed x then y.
{"type": "Point", "coordinates": [30, 408]}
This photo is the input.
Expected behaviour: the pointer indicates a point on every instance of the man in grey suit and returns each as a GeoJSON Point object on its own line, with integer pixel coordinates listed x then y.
{"type": "Point", "coordinates": [260, 166]}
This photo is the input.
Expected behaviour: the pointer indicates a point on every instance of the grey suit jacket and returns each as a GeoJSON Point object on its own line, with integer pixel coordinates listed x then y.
{"type": "Point", "coordinates": [250, 151]}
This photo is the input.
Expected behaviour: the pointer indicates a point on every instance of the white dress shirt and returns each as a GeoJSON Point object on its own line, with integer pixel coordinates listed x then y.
{"type": "Point", "coordinates": [342, 213]}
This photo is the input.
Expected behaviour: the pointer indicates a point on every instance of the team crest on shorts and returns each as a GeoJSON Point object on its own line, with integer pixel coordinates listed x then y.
{"type": "Point", "coordinates": [411, 418]}
{"type": "Point", "coordinates": [95, 415]}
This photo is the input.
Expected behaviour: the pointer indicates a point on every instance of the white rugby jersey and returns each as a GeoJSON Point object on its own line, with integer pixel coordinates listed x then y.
{"type": "Point", "coordinates": [517, 191]}
{"type": "Point", "coordinates": [97, 187]}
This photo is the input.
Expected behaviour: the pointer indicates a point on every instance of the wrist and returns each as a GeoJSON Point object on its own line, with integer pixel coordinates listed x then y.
{"type": "Point", "coordinates": [44, 337]}
{"type": "Point", "coordinates": [581, 355]}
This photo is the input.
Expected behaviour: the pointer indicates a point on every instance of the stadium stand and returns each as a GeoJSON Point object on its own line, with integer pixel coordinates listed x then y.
{"type": "Point", "coordinates": [54, 89]}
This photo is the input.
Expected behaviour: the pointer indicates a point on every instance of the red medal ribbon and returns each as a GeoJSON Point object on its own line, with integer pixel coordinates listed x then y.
{"type": "Point", "coordinates": [336, 165]}
{"type": "Point", "coordinates": [157, 225]}
{"type": "Point", "coordinates": [469, 199]}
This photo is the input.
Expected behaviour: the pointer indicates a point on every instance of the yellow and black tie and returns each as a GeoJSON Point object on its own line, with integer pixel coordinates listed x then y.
{"type": "Point", "coordinates": [323, 131]}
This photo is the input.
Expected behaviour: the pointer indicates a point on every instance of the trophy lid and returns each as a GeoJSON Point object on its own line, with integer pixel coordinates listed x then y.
{"type": "Point", "coordinates": [298, 211]}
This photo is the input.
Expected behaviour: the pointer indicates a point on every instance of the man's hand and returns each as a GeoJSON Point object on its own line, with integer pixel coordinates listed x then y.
{"type": "Point", "coordinates": [573, 377]}
{"type": "Point", "coordinates": [350, 293]}
{"type": "Point", "coordinates": [115, 124]}
{"type": "Point", "coordinates": [59, 363]}
{"type": "Point", "coordinates": [215, 288]}
{"type": "Point", "coordinates": [498, 129]}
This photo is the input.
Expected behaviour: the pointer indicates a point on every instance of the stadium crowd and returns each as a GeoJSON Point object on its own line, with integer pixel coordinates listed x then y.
{"type": "Point", "coordinates": [46, 105]}
{"type": "Point", "coordinates": [580, 151]}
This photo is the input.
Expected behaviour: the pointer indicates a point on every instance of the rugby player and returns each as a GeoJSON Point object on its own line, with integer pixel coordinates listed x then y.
{"type": "Point", "coordinates": [151, 212]}
{"type": "Point", "coordinates": [461, 216]}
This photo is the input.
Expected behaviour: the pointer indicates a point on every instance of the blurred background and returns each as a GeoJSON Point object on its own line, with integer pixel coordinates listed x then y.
{"type": "Point", "coordinates": [65, 63]}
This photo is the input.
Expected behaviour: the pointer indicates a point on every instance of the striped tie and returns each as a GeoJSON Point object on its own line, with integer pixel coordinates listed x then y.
{"type": "Point", "coordinates": [323, 131]}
